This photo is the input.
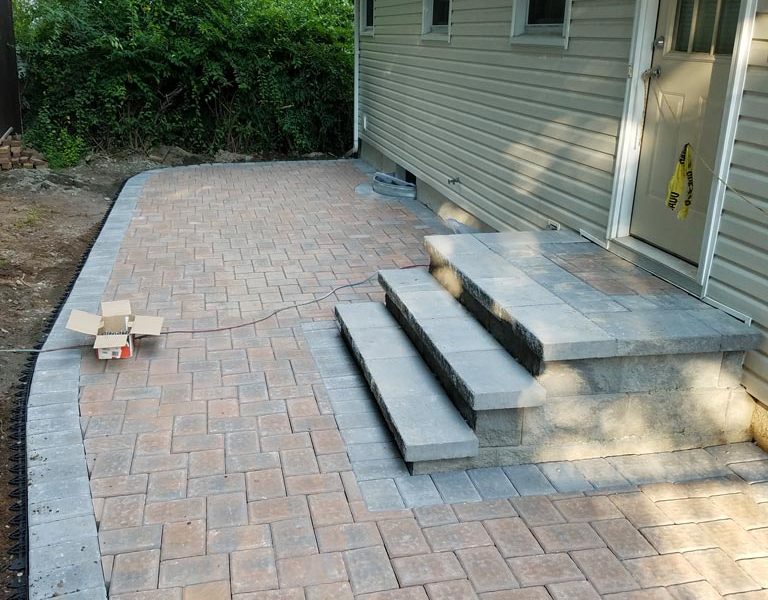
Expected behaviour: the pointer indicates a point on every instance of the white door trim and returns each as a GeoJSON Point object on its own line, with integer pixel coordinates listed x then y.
{"type": "Point", "coordinates": [722, 166]}
{"type": "Point", "coordinates": [631, 129]}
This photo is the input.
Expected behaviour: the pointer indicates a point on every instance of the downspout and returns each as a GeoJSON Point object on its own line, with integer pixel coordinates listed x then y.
{"type": "Point", "coordinates": [356, 85]}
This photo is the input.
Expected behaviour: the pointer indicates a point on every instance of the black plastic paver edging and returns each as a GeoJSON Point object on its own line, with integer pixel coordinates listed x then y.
{"type": "Point", "coordinates": [19, 531]}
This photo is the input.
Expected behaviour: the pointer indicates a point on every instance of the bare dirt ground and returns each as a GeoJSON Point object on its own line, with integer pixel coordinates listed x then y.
{"type": "Point", "coordinates": [48, 220]}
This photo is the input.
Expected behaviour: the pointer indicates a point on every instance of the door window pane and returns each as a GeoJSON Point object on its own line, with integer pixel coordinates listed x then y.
{"type": "Point", "coordinates": [705, 26]}
{"type": "Point", "coordinates": [726, 28]}
{"type": "Point", "coordinates": [546, 12]}
{"type": "Point", "coordinates": [684, 21]}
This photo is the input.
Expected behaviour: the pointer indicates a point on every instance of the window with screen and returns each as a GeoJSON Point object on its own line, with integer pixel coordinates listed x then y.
{"type": "Point", "coordinates": [441, 10]}
{"type": "Point", "coordinates": [545, 13]}
{"type": "Point", "coordinates": [541, 22]}
{"type": "Point", "coordinates": [437, 17]}
{"type": "Point", "coordinates": [366, 16]}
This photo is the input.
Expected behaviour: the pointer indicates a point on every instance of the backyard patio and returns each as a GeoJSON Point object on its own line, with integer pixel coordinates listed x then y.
{"type": "Point", "coordinates": [251, 462]}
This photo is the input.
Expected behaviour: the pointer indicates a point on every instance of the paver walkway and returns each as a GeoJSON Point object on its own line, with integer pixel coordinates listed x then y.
{"type": "Point", "coordinates": [218, 470]}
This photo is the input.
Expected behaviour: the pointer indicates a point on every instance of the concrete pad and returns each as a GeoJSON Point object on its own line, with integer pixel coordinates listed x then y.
{"type": "Point", "coordinates": [509, 293]}
{"type": "Point", "coordinates": [383, 342]}
{"type": "Point", "coordinates": [456, 334]}
{"type": "Point", "coordinates": [492, 380]}
{"type": "Point", "coordinates": [562, 333]}
{"type": "Point", "coordinates": [593, 291]}
{"type": "Point", "coordinates": [454, 245]}
{"type": "Point", "coordinates": [364, 315]}
{"type": "Point", "coordinates": [414, 280]}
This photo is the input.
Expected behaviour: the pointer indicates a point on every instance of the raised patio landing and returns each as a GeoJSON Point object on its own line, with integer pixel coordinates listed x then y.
{"type": "Point", "coordinates": [568, 299]}
{"type": "Point", "coordinates": [550, 348]}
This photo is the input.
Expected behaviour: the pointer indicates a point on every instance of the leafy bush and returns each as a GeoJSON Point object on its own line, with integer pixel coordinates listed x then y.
{"type": "Point", "coordinates": [61, 148]}
{"type": "Point", "coordinates": [270, 76]}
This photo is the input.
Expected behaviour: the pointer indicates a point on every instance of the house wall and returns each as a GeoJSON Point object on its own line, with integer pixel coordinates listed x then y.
{"type": "Point", "coordinates": [531, 131]}
{"type": "Point", "coordinates": [739, 275]}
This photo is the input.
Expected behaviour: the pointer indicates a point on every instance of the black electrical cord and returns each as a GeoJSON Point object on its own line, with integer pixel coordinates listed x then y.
{"type": "Point", "coordinates": [19, 524]}
{"type": "Point", "coordinates": [215, 329]}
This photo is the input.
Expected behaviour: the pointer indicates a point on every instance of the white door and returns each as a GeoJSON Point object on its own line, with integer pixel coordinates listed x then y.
{"type": "Point", "coordinates": [687, 85]}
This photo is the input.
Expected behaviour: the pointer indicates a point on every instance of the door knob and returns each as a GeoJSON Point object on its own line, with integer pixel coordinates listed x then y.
{"type": "Point", "coordinates": [652, 73]}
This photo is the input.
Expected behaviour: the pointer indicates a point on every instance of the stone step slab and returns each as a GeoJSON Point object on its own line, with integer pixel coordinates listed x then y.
{"type": "Point", "coordinates": [470, 363]}
{"type": "Point", "coordinates": [551, 296]}
{"type": "Point", "coordinates": [423, 420]}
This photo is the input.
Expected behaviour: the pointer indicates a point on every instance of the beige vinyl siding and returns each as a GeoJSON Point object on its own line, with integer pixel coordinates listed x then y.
{"type": "Point", "coordinates": [530, 130]}
{"type": "Point", "coordinates": [739, 276]}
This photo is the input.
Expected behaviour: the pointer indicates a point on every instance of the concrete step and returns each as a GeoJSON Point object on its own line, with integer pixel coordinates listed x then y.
{"type": "Point", "coordinates": [478, 373]}
{"type": "Point", "coordinates": [425, 423]}
{"type": "Point", "coordinates": [554, 296]}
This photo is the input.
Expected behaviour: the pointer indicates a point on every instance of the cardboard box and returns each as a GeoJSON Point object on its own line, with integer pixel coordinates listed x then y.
{"type": "Point", "coordinates": [115, 328]}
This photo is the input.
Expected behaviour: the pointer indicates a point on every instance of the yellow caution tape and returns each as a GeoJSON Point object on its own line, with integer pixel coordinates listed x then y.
{"type": "Point", "coordinates": [681, 183]}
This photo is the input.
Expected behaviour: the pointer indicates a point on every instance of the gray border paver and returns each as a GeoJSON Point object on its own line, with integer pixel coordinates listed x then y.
{"type": "Point", "coordinates": [61, 513]}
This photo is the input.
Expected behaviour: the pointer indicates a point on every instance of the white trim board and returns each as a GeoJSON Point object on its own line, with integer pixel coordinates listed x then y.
{"type": "Point", "coordinates": [722, 166]}
{"type": "Point", "coordinates": [631, 131]}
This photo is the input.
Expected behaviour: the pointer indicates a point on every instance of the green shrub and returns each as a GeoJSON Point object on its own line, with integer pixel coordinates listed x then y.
{"type": "Point", "coordinates": [270, 76]}
{"type": "Point", "coordinates": [61, 148]}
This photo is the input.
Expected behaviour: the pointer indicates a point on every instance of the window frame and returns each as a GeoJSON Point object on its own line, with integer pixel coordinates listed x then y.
{"type": "Point", "coordinates": [435, 32]}
{"type": "Point", "coordinates": [538, 35]}
{"type": "Point", "coordinates": [364, 28]}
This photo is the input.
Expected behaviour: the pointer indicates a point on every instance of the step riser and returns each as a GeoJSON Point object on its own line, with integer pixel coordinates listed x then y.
{"type": "Point", "coordinates": [600, 426]}
{"type": "Point", "coordinates": [656, 373]}
{"type": "Point", "coordinates": [492, 427]}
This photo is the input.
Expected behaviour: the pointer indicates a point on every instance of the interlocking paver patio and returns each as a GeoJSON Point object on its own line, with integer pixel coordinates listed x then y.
{"type": "Point", "coordinates": [219, 469]}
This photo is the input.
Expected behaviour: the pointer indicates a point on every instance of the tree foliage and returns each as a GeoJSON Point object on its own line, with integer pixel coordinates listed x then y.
{"type": "Point", "coordinates": [271, 76]}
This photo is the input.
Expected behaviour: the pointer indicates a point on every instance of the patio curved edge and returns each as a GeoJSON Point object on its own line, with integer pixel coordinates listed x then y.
{"type": "Point", "coordinates": [63, 548]}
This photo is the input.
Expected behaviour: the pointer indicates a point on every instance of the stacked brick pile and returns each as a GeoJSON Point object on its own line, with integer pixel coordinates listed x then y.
{"type": "Point", "coordinates": [13, 155]}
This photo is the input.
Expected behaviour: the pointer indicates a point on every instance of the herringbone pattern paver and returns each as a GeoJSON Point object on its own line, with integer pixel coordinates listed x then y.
{"type": "Point", "coordinates": [218, 470]}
